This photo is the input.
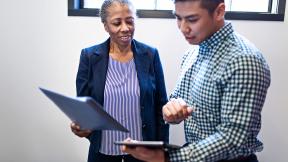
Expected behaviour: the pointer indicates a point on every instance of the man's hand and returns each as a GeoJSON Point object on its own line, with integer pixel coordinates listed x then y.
{"type": "Point", "coordinates": [145, 154]}
{"type": "Point", "coordinates": [176, 110]}
{"type": "Point", "coordinates": [75, 128]}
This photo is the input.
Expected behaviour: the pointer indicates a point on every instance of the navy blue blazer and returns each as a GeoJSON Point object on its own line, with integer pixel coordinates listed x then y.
{"type": "Point", "coordinates": [91, 79]}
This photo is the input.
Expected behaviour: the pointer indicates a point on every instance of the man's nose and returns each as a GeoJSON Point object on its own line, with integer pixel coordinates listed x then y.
{"type": "Point", "coordinates": [183, 26]}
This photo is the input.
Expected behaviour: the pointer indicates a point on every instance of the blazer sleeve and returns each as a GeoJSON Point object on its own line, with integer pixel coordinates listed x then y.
{"type": "Point", "coordinates": [160, 98]}
{"type": "Point", "coordinates": [82, 79]}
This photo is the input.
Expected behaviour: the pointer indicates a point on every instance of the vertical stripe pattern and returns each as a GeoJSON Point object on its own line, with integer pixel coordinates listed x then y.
{"type": "Point", "coordinates": [121, 101]}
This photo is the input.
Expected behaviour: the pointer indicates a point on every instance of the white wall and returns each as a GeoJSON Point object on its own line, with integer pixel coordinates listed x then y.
{"type": "Point", "coordinates": [40, 46]}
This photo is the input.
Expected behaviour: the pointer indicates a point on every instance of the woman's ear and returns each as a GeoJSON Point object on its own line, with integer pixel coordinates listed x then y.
{"type": "Point", "coordinates": [105, 26]}
{"type": "Point", "coordinates": [220, 12]}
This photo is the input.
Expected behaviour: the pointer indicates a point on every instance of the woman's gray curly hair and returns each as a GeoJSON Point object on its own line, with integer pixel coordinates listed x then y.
{"type": "Point", "coordinates": [107, 3]}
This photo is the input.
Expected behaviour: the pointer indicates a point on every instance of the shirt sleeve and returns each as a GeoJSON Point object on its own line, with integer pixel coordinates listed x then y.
{"type": "Point", "coordinates": [244, 85]}
{"type": "Point", "coordinates": [187, 60]}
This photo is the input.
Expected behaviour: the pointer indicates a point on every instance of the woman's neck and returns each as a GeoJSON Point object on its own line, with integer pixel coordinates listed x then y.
{"type": "Point", "coordinates": [123, 50]}
{"type": "Point", "coordinates": [120, 53]}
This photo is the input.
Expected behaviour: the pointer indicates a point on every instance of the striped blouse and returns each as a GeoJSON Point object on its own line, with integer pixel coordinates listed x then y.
{"type": "Point", "coordinates": [122, 101]}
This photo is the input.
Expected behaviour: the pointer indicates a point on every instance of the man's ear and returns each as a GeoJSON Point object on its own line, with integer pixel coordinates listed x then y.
{"type": "Point", "coordinates": [219, 12]}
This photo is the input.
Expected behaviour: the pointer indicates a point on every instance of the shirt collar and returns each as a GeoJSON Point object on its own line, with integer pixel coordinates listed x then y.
{"type": "Point", "coordinates": [217, 37]}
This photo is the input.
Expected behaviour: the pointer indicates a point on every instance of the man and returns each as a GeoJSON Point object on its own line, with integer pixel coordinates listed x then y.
{"type": "Point", "coordinates": [220, 92]}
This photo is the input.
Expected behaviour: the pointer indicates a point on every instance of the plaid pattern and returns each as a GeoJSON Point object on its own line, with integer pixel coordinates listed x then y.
{"type": "Point", "coordinates": [226, 79]}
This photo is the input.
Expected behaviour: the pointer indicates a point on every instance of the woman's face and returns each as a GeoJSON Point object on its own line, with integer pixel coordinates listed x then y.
{"type": "Point", "coordinates": [120, 24]}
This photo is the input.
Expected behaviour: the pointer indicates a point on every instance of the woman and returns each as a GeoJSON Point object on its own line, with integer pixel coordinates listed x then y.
{"type": "Point", "coordinates": [126, 77]}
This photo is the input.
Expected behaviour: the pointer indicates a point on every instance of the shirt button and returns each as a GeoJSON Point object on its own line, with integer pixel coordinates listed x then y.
{"type": "Point", "coordinates": [143, 125]}
{"type": "Point", "coordinates": [142, 107]}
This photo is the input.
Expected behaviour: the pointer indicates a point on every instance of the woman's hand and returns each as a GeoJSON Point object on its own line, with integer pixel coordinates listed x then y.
{"type": "Point", "coordinates": [176, 110]}
{"type": "Point", "coordinates": [75, 128]}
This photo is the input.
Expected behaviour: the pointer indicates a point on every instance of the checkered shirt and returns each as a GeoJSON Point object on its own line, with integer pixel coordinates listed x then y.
{"type": "Point", "coordinates": [226, 79]}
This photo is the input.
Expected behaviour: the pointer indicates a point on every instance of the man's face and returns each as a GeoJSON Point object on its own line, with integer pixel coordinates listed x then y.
{"type": "Point", "coordinates": [195, 22]}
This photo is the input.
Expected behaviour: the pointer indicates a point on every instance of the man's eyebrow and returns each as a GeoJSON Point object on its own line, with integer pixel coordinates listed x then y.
{"type": "Point", "coordinates": [185, 17]}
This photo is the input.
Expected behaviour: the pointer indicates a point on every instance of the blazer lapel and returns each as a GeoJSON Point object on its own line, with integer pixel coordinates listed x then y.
{"type": "Point", "coordinates": [99, 66]}
{"type": "Point", "coordinates": [142, 63]}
